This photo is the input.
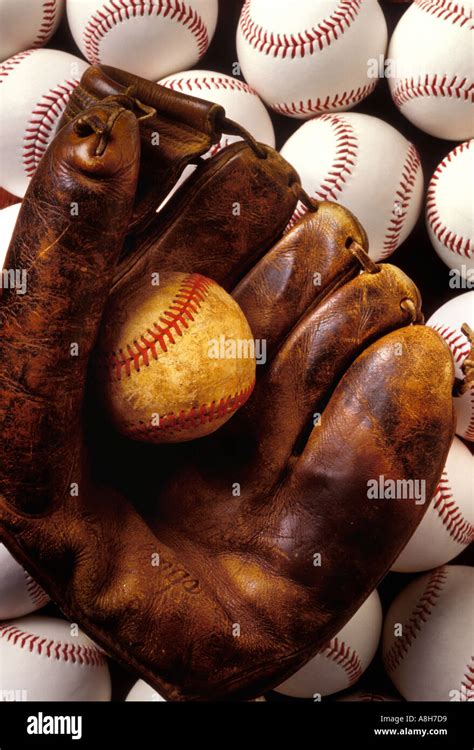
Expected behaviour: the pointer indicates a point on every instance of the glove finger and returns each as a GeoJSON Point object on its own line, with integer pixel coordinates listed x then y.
{"type": "Point", "coordinates": [311, 261]}
{"type": "Point", "coordinates": [66, 242]}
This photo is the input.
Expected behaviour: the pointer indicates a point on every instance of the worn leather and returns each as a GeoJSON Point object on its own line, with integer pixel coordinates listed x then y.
{"type": "Point", "coordinates": [194, 564]}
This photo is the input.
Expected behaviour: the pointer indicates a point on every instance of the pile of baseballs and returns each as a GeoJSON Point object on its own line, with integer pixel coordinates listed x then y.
{"type": "Point", "coordinates": [293, 60]}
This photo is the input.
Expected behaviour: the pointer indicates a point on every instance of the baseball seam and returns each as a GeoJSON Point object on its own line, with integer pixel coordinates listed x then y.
{"type": "Point", "coordinates": [469, 434]}
{"type": "Point", "coordinates": [418, 617]}
{"type": "Point", "coordinates": [458, 527]}
{"type": "Point", "coordinates": [447, 237]}
{"type": "Point", "coordinates": [50, 10]}
{"type": "Point", "coordinates": [345, 657]}
{"type": "Point", "coordinates": [118, 11]}
{"type": "Point", "coordinates": [403, 196]}
{"type": "Point", "coordinates": [446, 10]}
{"type": "Point", "coordinates": [341, 169]}
{"type": "Point", "coordinates": [307, 40]}
{"type": "Point", "coordinates": [456, 341]}
{"type": "Point", "coordinates": [67, 652]}
{"type": "Point", "coordinates": [12, 63]}
{"type": "Point", "coordinates": [35, 592]}
{"type": "Point", "coordinates": [341, 100]}
{"type": "Point", "coordinates": [467, 684]}
{"type": "Point", "coordinates": [186, 85]}
{"type": "Point", "coordinates": [42, 123]}
{"type": "Point", "coordinates": [436, 85]}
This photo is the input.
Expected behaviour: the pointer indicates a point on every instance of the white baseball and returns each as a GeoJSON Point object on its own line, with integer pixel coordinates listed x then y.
{"type": "Point", "coordinates": [42, 660]}
{"type": "Point", "coordinates": [447, 320]}
{"type": "Point", "coordinates": [8, 217]}
{"type": "Point", "coordinates": [35, 87]}
{"type": "Point", "coordinates": [142, 692]}
{"type": "Point", "coordinates": [450, 210]}
{"type": "Point", "coordinates": [19, 593]}
{"type": "Point", "coordinates": [151, 38]}
{"type": "Point", "coordinates": [366, 165]}
{"type": "Point", "coordinates": [240, 102]}
{"type": "Point", "coordinates": [431, 72]}
{"type": "Point", "coordinates": [448, 524]}
{"type": "Point", "coordinates": [343, 660]}
{"type": "Point", "coordinates": [428, 638]}
{"type": "Point", "coordinates": [27, 23]}
{"type": "Point", "coordinates": [310, 57]}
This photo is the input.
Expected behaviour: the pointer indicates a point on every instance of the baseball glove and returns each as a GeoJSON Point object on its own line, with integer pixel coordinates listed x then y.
{"type": "Point", "coordinates": [354, 388]}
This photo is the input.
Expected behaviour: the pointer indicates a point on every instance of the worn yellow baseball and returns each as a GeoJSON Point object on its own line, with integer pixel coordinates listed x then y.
{"type": "Point", "coordinates": [175, 359]}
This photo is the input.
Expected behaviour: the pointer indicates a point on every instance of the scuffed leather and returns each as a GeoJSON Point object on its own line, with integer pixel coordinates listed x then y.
{"type": "Point", "coordinates": [236, 603]}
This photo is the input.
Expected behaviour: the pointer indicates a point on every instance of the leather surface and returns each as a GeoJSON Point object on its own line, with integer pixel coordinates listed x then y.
{"type": "Point", "coordinates": [193, 564]}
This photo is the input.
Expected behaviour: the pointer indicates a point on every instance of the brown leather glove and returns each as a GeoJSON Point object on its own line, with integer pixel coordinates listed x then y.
{"type": "Point", "coordinates": [236, 520]}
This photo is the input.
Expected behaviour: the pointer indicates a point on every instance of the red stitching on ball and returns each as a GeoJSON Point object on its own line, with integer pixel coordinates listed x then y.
{"type": "Point", "coordinates": [344, 99]}
{"type": "Point", "coordinates": [42, 123]}
{"type": "Point", "coordinates": [469, 434]}
{"type": "Point", "coordinates": [68, 652]}
{"type": "Point", "coordinates": [446, 10]}
{"type": "Point", "coordinates": [452, 241]}
{"type": "Point", "coordinates": [450, 514]}
{"type": "Point", "coordinates": [50, 9]}
{"type": "Point", "coordinates": [456, 341]}
{"type": "Point", "coordinates": [35, 592]}
{"type": "Point", "coordinates": [433, 85]}
{"type": "Point", "coordinates": [186, 85]}
{"type": "Point", "coordinates": [344, 161]}
{"type": "Point", "coordinates": [11, 64]}
{"type": "Point", "coordinates": [420, 615]}
{"type": "Point", "coordinates": [467, 684]}
{"type": "Point", "coordinates": [118, 11]}
{"type": "Point", "coordinates": [194, 417]}
{"type": "Point", "coordinates": [345, 656]}
{"type": "Point", "coordinates": [182, 310]}
{"type": "Point", "coordinates": [307, 40]}
{"type": "Point", "coordinates": [403, 197]}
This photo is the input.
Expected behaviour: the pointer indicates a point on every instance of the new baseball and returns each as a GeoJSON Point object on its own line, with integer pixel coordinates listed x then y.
{"type": "Point", "coordinates": [450, 210]}
{"type": "Point", "coordinates": [431, 73]}
{"type": "Point", "coordinates": [142, 692]}
{"type": "Point", "coordinates": [343, 660]}
{"type": "Point", "coordinates": [240, 102]}
{"type": "Point", "coordinates": [448, 524]}
{"type": "Point", "coordinates": [19, 593]}
{"type": "Point", "coordinates": [448, 320]}
{"type": "Point", "coordinates": [175, 359]}
{"type": "Point", "coordinates": [27, 23]}
{"type": "Point", "coordinates": [35, 87]}
{"type": "Point", "coordinates": [47, 659]}
{"type": "Point", "coordinates": [151, 39]}
{"type": "Point", "coordinates": [428, 637]}
{"type": "Point", "coordinates": [366, 165]}
{"type": "Point", "coordinates": [8, 217]}
{"type": "Point", "coordinates": [307, 58]}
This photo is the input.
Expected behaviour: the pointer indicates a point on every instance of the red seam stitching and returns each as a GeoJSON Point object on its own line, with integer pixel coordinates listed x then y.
{"type": "Point", "coordinates": [307, 40]}
{"type": "Point", "coordinates": [446, 10]}
{"type": "Point", "coordinates": [49, 18]}
{"type": "Point", "coordinates": [11, 64]}
{"type": "Point", "coordinates": [420, 614]}
{"type": "Point", "coordinates": [467, 684]}
{"type": "Point", "coordinates": [35, 592]}
{"type": "Point", "coordinates": [456, 341]}
{"type": "Point", "coordinates": [118, 11]}
{"type": "Point", "coordinates": [187, 85]}
{"type": "Point", "coordinates": [42, 123]}
{"type": "Point", "coordinates": [341, 168]}
{"type": "Point", "coordinates": [192, 418]}
{"type": "Point", "coordinates": [469, 434]}
{"type": "Point", "coordinates": [452, 241]}
{"type": "Point", "coordinates": [185, 305]}
{"type": "Point", "coordinates": [403, 196]}
{"type": "Point", "coordinates": [346, 657]}
{"type": "Point", "coordinates": [450, 513]}
{"type": "Point", "coordinates": [343, 99]}
{"type": "Point", "coordinates": [68, 652]}
{"type": "Point", "coordinates": [433, 85]}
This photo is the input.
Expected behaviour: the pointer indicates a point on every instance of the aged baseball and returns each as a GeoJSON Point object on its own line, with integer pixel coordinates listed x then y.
{"type": "Point", "coordinates": [45, 78]}
{"type": "Point", "coordinates": [366, 165]}
{"type": "Point", "coordinates": [431, 72]}
{"type": "Point", "coordinates": [448, 320]}
{"type": "Point", "coordinates": [175, 360]}
{"type": "Point", "coordinates": [27, 23]}
{"type": "Point", "coordinates": [448, 525]}
{"type": "Point", "coordinates": [19, 593]}
{"type": "Point", "coordinates": [450, 211]}
{"type": "Point", "coordinates": [341, 663]}
{"type": "Point", "coordinates": [142, 692]}
{"type": "Point", "coordinates": [148, 38]}
{"type": "Point", "coordinates": [296, 55]}
{"type": "Point", "coordinates": [428, 637]}
{"type": "Point", "coordinates": [47, 659]}
{"type": "Point", "coordinates": [8, 217]}
{"type": "Point", "coordinates": [240, 102]}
